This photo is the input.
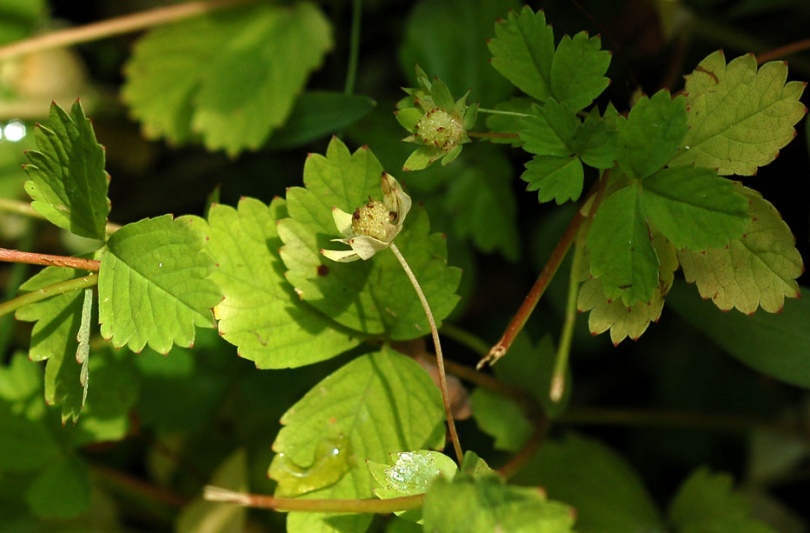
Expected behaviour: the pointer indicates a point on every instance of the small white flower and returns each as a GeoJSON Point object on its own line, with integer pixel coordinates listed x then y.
{"type": "Point", "coordinates": [373, 226]}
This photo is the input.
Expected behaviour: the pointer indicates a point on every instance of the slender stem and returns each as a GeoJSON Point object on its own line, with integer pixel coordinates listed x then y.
{"type": "Point", "coordinates": [116, 26]}
{"type": "Point", "coordinates": [448, 411]}
{"type": "Point", "coordinates": [557, 389]}
{"type": "Point", "coordinates": [139, 486]}
{"type": "Point", "coordinates": [261, 501]}
{"type": "Point", "coordinates": [21, 208]}
{"type": "Point", "coordinates": [782, 51]}
{"type": "Point", "coordinates": [79, 263]}
{"type": "Point", "coordinates": [524, 455]}
{"type": "Point", "coordinates": [500, 112]}
{"type": "Point", "coordinates": [52, 290]}
{"type": "Point", "coordinates": [492, 135]}
{"type": "Point", "coordinates": [354, 47]}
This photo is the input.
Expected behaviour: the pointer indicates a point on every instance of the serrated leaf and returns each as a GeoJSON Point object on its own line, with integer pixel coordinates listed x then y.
{"type": "Point", "coordinates": [466, 504]}
{"type": "Point", "coordinates": [260, 312]}
{"type": "Point", "coordinates": [555, 178]}
{"type": "Point", "coordinates": [523, 50]}
{"type": "Point", "coordinates": [68, 182]}
{"type": "Point", "coordinates": [54, 338]}
{"type": "Point", "coordinates": [694, 208]}
{"type": "Point", "coordinates": [377, 404]}
{"type": "Point", "coordinates": [62, 490]}
{"type": "Point", "coordinates": [759, 269]}
{"type": "Point", "coordinates": [739, 117]}
{"type": "Point", "coordinates": [578, 70]}
{"type": "Point", "coordinates": [374, 296]}
{"type": "Point", "coordinates": [652, 132]}
{"type": "Point", "coordinates": [231, 78]}
{"type": "Point", "coordinates": [550, 129]}
{"type": "Point", "coordinates": [708, 502]}
{"type": "Point", "coordinates": [595, 140]}
{"type": "Point", "coordinates": [501, 418]}
{"type": "Point", "coordinates": [621, 250]}
{"type": "Point", "coordinates": [628, 321]}
{"type": "Point", "coordinates": [606, 492]}
{"type": "Point", "coordinates": [153, 286]}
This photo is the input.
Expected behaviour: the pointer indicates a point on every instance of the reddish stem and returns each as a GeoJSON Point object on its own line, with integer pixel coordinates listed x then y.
{"type": "Point", "coordinates": [782, 51]}
{"type": "Point", "coordinates": [79, 263]}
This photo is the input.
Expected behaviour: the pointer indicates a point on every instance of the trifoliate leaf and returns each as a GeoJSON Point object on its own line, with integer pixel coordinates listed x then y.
{"type": "Point", "coordinates": [651, 134]}
{"type": "Point", "coordinates": [54, 338]}
{"type": "Point", "coordinates": [230, 77]}
{"type": "Point", "coordinates": [694, 208]}
{"type": "Point", "coordinates": [375, 405]}
{"type": "Point", "coordinates": [758, 269]}
{"type": "Point", "coordinates": [153, 286]}
{"type": "Point", "coordinates": [550, 129]}
{"type": "Point", "coordinates": [466, 504]}
{"type": "Point", "coordinates": [708, 502]}
{"type": "Point", "coordinates": [501, 418]}
{"type": "Point", "coordinates": [62, 490]}
{"type": "Point", "coordinates": [578, 70]}
{"type": "Point", "coordinates": [555, 178]}
{"type": "Point", "coordinates": [523, 50]}
{"type": "Point", "coordinates": [621, 250]}
{"type": "Point", "coordinates": [623, 320]}
{"type": "Point", "coordinates": [260, 312]}
{"type": "Point", "coordinates": [374, 296]}
{"type": "Point", "coordinates": [739, 118]}
{"type": "Point", "coordinates": [68, 183]}
{"type": "Point", "coordinates": [606, 492]}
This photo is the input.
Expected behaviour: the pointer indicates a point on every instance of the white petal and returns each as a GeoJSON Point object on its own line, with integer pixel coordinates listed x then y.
{"type": "Point", "coordinates": [366, 247]}
{"type": "Point", "coordinates": [395, 198]}
{"type": "Point", "coordinates": [343, 221]}
{"type": "Point", "coordinates": [341, 256]}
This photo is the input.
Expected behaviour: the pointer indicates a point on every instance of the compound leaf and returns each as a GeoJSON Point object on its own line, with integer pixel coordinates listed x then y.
{"type": "Point", "coordinates": [230, 78]}
{"type": "Point", "coordinates": [739, 117]}
{"type": "Point", "coordinates": [260, 312]}
{"type": "Point", "coordinates": [578, 70]}
{"type": "Point", "coordinates": [694, 208]}
{"type": "Point", "coordinates": [68, 183]}
{"type": "Point", "coordinates": [153, 286]}
{"type": "Point", "coordinates": [523, 50]}
{"type": "Point", "coordinates": [651, 134]}
{"type": "Point", "coordinates": [375, 405]}
{"type": "Point", "coordinates": [550, 129]}
{"type": "Point", "coordinates": [759, 269]}
{"type": "Point", "coordinates": [54, 338]}
{"type": "Point", "coordinates": [621, 249]}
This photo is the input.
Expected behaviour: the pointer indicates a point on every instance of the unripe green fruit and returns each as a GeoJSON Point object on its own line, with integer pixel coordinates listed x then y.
{"type": "Point", "coordinates": [440, 129]}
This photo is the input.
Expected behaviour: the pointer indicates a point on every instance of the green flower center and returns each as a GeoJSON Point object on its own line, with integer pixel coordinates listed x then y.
{"type": "Point", "coordinates": [372, 220]}
{"type": "Point", "coordinates": [440, 129]}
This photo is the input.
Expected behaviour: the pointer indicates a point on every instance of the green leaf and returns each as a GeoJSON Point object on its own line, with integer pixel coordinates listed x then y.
{"type": "Point", "coordinates": [318, 113]}
{"type": "Point", "coordinates": [230, 77]}
{"type": "Point", "coordinates": [437, 34]}
{"type": "Point", "coordinates": [54, 338]}
{"type": "Point", "coordinates": [523, 51]}
{"type": "Point", "coordinates": [374, 296]}
{"type": "Point", "coordinates": [739, 118]}
{"type": "Point", "coordinates": [707, 502]}
{"type": "Point", "coordinates": [607, 494]}
{"type": "Point", "coordinates": [260, 312]}
{"type": "Point", "coordinates": [375, 405]}
{"type": "Point", "coordinates": [694, 208]}
{"type": "Point", "coordinates": [556, 178]}
{"type": "Point", "coordinates": [62, 490]}
{"type": "Point", "coordinates": [68, 183]}
{"type": "Point", "coordinates": [578, 70]}
{"type": "Point", "coordinates": [652, 132]}
{"type": "Point", "coordinates": [595, 140]}
{"type": "Point", "coordinates": [621, 250]}
{"type": "Point", "coordinates": [759, 268]}
{"type": "Point", "coordinates": [776, 345]}
{"type": "Point", "coordinates": [202, 516]}
{"type": "Point", "coordinates": [550, 129]}
{"type": "Point", "coordinates": [466, 504]}
{"type": "Point", "coordinates": [501, 418]}
{"type": "Point", "coordinates": [152, 284]}
{"type": "Point", "coordinates": [509, 124]}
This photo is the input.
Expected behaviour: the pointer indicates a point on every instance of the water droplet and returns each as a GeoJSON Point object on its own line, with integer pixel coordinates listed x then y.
{"type": "Point", "coordinates": [331, 460]}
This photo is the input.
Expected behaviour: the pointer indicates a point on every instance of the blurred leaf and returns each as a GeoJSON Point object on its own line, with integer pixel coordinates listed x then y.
{"type": "Point", "coordinates": [776, 345]}
{"type": "Point", "coordinates": [375, 405]}
{"type": "Point", "coordinates": [607, 494]}
{"type": "Point", "coordinates": [260, 312]}
{"type": "Point", "coordinates": [230, 77]}
{"type": "Point", "coordinates": [706, 502]}
{"type": "Point", "coordinates": [466, 504]}
{"type": "Point", "coordinates": [19, 17]}
{"type": "Point", "coordinates": [501, 418]}
{"type": "Point", "coordinates": [758, 269]}
{"type": "Point", "coordinates": [201, 516]}
{"type": "Point", "coordinates": [62, 490]}
{"type": "Point", "coordinates": [153, 286]}
{"type": "Point", "coordinates": [318, 113]}
{"type": "Point", "coordinates": [440, 32]}
{"type": "Point", "coordinates": [739, 138]}
{"type": "Point", "coordinates": [68, 183]}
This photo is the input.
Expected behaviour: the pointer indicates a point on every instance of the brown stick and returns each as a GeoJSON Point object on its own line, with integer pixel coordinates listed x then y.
{"type": "Point", "coordinates": [79, 263]}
